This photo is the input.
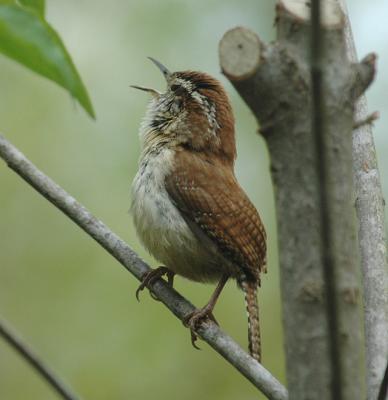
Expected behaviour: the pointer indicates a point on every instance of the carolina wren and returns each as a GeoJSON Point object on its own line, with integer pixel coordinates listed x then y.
{"type": "Point", "coordinates": [188, 208]}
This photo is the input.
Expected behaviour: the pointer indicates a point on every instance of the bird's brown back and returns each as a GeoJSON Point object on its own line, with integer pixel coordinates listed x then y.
{"type": "Point", "coordinates": [207, 193]}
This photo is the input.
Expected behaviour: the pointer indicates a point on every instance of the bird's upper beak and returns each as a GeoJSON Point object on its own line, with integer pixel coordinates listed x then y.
{"type": "Point", "coordinates": [165, 72]}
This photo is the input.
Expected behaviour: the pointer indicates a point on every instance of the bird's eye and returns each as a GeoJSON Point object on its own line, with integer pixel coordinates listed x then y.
{"type": "Point", "coordinates": [178, 90]}
{"type": "Point", "coordinates": [178, 103]}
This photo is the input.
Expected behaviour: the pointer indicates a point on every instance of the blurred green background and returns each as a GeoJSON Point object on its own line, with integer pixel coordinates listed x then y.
{"type": "Point", "coordinates": [70, 299]}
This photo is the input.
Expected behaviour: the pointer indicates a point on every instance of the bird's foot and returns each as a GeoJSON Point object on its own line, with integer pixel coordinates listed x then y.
{"type": "Point", "coordinates": [194, 320]}
{"type": "Point", "coordinates": [149, 278]}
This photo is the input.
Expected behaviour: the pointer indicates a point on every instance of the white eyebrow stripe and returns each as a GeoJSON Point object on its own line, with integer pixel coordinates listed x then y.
{"type": "Point", "coordinates": [199, 98]}
{"type": "Point", "coordinates": [186, 84]}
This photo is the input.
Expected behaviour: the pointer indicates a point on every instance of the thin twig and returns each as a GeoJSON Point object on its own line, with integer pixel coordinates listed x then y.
{"type": "Point", "coordinates": [25, 351]}
{"type": "Point", "coordinates": [371, 236]}
{"type": "Point", "coordinates": [368, 120]}
{"type": "Point", "coordinates": [209, 331]}
{"type": "Point", "coordinates": [319, 132]}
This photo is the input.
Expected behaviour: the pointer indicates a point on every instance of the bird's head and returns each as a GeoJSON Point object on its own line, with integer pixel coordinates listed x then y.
{"type": "Point", "coordinates": [194, 112]}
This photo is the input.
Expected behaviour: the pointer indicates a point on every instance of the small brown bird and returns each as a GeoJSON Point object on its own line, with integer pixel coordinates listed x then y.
{"type": "Point", "coordinates": [188, 208]}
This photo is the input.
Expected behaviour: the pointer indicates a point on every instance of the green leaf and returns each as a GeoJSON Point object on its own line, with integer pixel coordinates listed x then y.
{"type": "Point", "coordinates": [37, 5]}
{"type": "Point", "coordinates": [30, 40]}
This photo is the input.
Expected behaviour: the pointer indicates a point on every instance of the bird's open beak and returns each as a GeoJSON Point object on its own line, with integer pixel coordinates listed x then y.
{"type": "Point", "coordinates": [153, 92]}
{"type": "Point", "coordinates": [165, 72]}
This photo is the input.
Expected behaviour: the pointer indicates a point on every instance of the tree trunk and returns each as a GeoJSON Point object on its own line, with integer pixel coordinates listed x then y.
{"type": "Point", "coordinates": [274, 81]}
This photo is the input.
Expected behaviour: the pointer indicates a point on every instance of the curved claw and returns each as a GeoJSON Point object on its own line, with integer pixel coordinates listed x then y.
{"type": "Point", "coordinates": [187, 322]}
{"type": "Point", "coordinates": [193, 321]}
{"type": "Point", "coordinates": [154, 296]}
{"type": "Point", "coordinates": [194, 338]}
{"type": "Point", "coordinates": [141, 287]}
{"type": "Point", "coordinates": [149, 278]}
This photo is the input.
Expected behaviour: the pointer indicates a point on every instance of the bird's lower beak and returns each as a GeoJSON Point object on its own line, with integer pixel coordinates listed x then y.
{"type": "Point", "coordinates": [153, 92]}
{"type": "Point", "coordinates": [166, 73]}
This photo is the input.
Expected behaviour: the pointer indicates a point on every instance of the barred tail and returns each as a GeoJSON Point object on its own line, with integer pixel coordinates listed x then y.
{"type": "Point", "coordinates": [249, 288]}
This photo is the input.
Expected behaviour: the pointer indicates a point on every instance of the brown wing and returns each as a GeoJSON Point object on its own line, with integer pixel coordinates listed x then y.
{"type": "Point", "coordinates": [213, 203]}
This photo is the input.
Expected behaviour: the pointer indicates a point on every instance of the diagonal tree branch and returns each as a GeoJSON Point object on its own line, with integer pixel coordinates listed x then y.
{"type": "Point", "coordinates": [25, 351]}
{"type": "Point", "coordinates": [371, 237]}
{"type": "Point", "coordinates": [209, 331]}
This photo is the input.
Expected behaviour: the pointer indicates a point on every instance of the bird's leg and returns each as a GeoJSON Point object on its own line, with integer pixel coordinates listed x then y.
{"type": "Point", "coordinates": [149, 278]}
{"type": "Point", "coordinates": [195, 318]}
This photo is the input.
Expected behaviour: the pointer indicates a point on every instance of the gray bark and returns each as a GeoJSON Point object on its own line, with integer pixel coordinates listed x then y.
{"type": "Point", "coordinates": [372, 239]}
{"type": "Point", "coordinates": [274, 81]}
{"type": "Point", "coordinates": [209, 331]}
